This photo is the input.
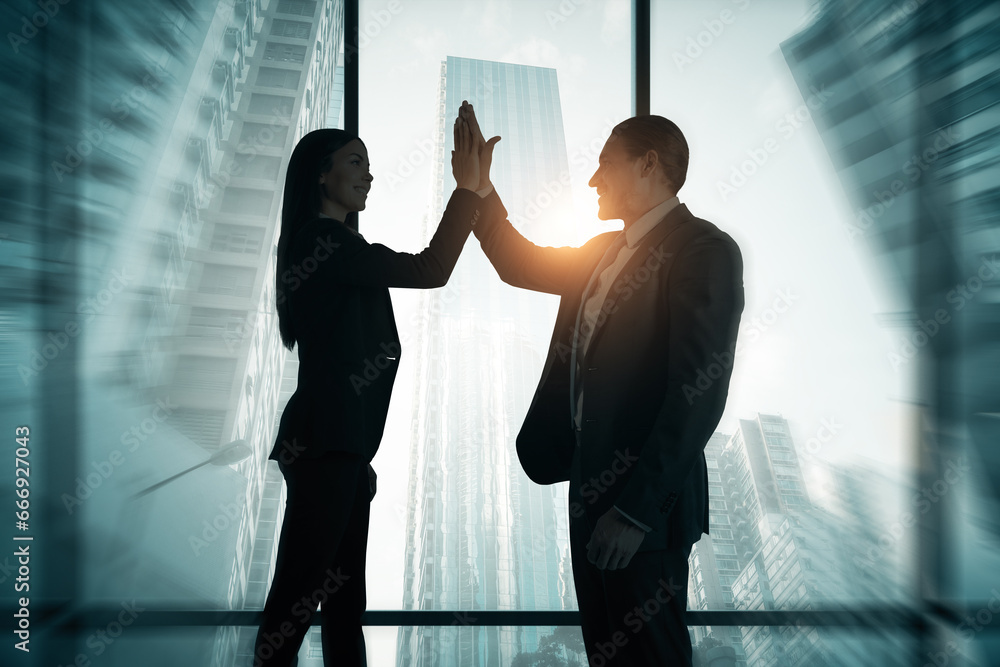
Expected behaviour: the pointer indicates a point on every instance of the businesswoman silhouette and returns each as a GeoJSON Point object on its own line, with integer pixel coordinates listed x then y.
{"type": "Point", "coordinates": [333, 301]}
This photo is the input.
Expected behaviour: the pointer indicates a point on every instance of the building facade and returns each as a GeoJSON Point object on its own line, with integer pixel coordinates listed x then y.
{"type": "Point", "coordinates": [212, 341]}
{"type": "Point", "coordinates": [480, 534]}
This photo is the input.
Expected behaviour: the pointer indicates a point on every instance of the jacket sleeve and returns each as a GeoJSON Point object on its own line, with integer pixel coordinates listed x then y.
{"type": "Point", "coordinates": [705, 300]}
{"type": "Point", "coordinates": [521, 263]}
{"type": "Point", "coordinates": [344, 258]}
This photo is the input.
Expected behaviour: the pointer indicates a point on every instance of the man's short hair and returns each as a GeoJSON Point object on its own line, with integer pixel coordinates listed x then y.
{"type": "Point", "coordinates": [642, 133]}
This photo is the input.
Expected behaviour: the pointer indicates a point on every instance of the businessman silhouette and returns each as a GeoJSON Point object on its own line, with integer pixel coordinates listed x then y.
{"type": "Point", "coordinates": [634, 384]}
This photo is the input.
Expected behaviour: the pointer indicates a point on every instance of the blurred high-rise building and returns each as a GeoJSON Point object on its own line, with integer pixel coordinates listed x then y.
{"type": "Point", "coordinates": [206, 336]}
{"type": "Point", "coordinates": [801, 565]}
{"type": "Point", "coordinates": [480, 534]}
{"type": "Point", "coordinates": [860, 500]}
{"type": "Point", "coordinates": [167, 159]}
{"type": "Point", "coordinates": [911, 128]}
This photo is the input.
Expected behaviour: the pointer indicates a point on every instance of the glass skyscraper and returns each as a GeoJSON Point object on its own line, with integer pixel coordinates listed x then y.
{"type": "Point", "coordinates": [480, 534]}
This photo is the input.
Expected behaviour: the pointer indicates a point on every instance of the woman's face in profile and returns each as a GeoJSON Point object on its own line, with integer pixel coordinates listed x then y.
{"type": "Point", "coordinates": [345, 186]}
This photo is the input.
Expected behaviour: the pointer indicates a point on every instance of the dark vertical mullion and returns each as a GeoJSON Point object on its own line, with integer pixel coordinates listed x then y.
{"type": "Point", "coordinates": [937, 270]}
{"type": "Point", "coordinates": [351, 56]}
{"type": "Point", "coordinates": [640, 57]}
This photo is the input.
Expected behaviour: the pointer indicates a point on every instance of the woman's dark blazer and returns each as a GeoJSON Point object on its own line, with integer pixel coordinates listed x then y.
{"type": "Point", "coordinates": [343, 323]}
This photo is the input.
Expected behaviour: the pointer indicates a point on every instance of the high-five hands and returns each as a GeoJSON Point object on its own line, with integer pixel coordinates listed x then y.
{"type": "Point", "coordinates": [465, 157]}
{"type": "Point", "coordinates": [614, 541]}
{"type": "Point", "coordinates": [485, 148]}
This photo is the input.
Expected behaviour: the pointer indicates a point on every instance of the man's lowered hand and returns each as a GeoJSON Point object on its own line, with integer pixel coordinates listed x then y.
{"type": "Point", "coordinates": [614, 541]}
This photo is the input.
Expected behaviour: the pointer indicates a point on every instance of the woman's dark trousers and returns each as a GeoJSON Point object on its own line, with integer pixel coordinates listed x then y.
{"type": "Point", "coordinates": [321, 560]}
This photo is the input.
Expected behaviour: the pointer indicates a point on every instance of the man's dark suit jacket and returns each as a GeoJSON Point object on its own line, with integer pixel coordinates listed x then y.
{"type": "Point", "coordinates": [655, 374]}
{"type": "Point", "coordinates": [343, 322]}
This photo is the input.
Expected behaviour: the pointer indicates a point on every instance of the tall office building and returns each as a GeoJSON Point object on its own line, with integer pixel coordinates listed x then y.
{"type": "Point", "coordinates": [530, 172]}
{"type": "Point", "coordinates": [911, 128]}
{"type": "Point", "coordinates": [715, 563]}
{"type": "Point", "coordinates": [292, 84]}
{"type": "Point", "coordinates": [763, 472]}
{"type": "Point", "coordinates": [261, 79]}
{"type": "Point", "coordinates": [480, 534]}
{"type": "Point", "coordinates": [186, 121]}
{"type": "Point", "coordinates": [335, 115]}
{"type": "Point", "coordinates": [273, 503]}
{"type": "Point", "coordinates": [154, 103]}
{"type": "Point", "coordinates": [754, 479]}
{"type": "Point", "coordinates": [908, 122]}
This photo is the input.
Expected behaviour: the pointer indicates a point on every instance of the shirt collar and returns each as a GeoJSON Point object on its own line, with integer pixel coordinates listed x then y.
{"type": "Point", "coordinates": [648, 220]}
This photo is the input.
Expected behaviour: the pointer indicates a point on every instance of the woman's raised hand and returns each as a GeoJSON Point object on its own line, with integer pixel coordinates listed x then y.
{"type": "Point", "coordinates": [465, 157]}
{"type": "Point", "coordinates": [484, 147]}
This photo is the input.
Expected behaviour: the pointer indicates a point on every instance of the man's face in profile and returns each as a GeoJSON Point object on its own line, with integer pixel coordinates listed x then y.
{"type": "Point", "coordinates": [615, 180]}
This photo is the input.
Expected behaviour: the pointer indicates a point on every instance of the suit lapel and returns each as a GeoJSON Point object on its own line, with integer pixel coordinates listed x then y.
{"type": "Point", "coordinates": [670, 223]}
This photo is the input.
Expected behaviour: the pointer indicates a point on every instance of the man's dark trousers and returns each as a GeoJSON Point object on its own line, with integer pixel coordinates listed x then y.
{"type": "Point", "coordinates": [633, 616]}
